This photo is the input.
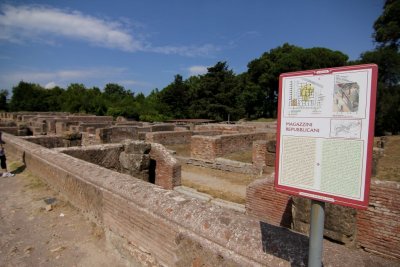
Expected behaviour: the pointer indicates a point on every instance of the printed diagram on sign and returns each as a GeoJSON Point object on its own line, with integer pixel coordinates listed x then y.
{"type": "Point", "coordinates": [346, 128]}
{"type": "Point", "coordinates": [305, 94]}
{"type": "Point", "coordinates": [346, 96]}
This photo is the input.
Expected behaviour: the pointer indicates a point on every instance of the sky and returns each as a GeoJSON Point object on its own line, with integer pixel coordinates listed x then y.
{"type": "Point", "coordinates": [142, 45]}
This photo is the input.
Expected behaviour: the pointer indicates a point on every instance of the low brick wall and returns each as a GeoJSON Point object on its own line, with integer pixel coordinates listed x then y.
{"type": "Point", "coordinates": [226, 127]}
{"type": "Point", "coordinates": [264, 203]}
{"type": "Point", "coordinates": [378, 227]}
{"type": "Point", "coordinates": [9, 130]}
{"type": "Point", "coordinates": [167, 168]}
{"type": "Point", "coordinates": [223, 165]}
{"type": "Point", "coordinates": [205, 147]}
{"type": "Point", "coordinates": [66, 140]}
{"type": "Point", "coordinates": [106, 156]}
{"type": "Point", "coordinates": [116, 134]}
{"type": "Point", "coordinates": [211, 147]}
{"type": "Point", "coordinates": [169, 137]}
{"type": "Point", "coordinates": [171, 229]}
{"type": "Point", "coordinates": [46, 141]}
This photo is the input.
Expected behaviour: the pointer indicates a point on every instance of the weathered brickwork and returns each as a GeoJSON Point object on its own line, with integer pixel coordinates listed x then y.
{"type": "Point", "coordinates": [169, 137]}
{"type": "Point", "coordinates": [65, 140]}
{"type": "Point", "coordinates": [378, 227]}
{"type": "Point", "coordinates": [166, 226]}
{"type": "Point", "coordinates": [205, 147]}
{"type": "Point", "coordinates": [167, 168]}
{"type": "Point", "coordinates": [263, 202]}
{"type": "Point", "coordinates": [116, 134]}
{"type": "Point", "coordinates": [106, 156]}
{"type": "Point", "coordinates": [211, 147]}
{"type": "Point", "coordinates": [226, 128]}
{"type": "Point", "coordinates": [259, 153]}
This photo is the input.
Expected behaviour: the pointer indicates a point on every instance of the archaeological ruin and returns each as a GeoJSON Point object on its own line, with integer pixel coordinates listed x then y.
{"type": "Point", "coordinates": [132, 179]}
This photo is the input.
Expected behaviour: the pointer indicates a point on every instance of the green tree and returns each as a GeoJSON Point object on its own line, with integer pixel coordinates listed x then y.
{"type": "Point", "coordinates": [215, 95]}
{"type": "Point", "coordinates": [74, 98]}
{"type": "Point", "coordinates": [387, 57]}
{"type": "Point", "coordinates": [28, 97]}
{"type": "Point", "coordinates": [174, 97]}
{"type": "Point", "coordinates": [264, 71]}
{"type": "Point", "coordinates": [387, 26]}
{"type": "Point", "coordinates": [3, 100]}
{"type": "Point", "coordinates": [54, 98]}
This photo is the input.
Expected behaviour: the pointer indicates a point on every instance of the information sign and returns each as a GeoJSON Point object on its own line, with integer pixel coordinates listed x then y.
{"type": "Point", "coordinates": [325, 134]}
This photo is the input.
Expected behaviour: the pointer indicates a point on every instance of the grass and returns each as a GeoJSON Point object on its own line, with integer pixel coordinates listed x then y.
{"type": "Point", "coordinates": [215, 192]}
{"type": "Point", "coordinates": [242, 156]}
{"type": "Point", "coordinates": [232, 177]}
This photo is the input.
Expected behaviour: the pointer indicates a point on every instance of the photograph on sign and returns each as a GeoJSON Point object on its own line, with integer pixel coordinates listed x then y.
{"type": "Point", "coordinates": [325, 133]}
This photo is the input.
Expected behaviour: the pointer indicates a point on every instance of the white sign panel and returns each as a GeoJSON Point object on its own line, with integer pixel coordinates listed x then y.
{"type": "Point", "coordinates": [325, 134]}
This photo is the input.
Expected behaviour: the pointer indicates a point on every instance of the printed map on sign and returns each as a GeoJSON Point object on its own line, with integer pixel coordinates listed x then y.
{"type": "Point", "coordinates": [305, 94]}
{"type": "Point", "coordinates": [346, 128]}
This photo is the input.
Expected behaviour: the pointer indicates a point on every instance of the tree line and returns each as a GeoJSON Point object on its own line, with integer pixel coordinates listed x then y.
{"type": "Point", "coordinates": [220, 94]}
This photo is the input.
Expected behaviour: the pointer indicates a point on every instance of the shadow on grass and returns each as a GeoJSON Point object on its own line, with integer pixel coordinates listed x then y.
{"type": "Point", "coordinates": [19, 169]}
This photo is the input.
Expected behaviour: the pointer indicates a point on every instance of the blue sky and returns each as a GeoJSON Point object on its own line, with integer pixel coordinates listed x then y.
{"type": "Point", "coordinates": [142, 45]}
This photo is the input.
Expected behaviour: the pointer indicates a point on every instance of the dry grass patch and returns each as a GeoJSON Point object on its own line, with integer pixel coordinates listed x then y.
{"type": "Point", "coordinates": [388, 165]}
{"type": "Point", "coordinates": [242, 156]}
{"type": "Point", "coordinates": [232, 177]}
{"type": "Point", "coordinates": [216, 193]}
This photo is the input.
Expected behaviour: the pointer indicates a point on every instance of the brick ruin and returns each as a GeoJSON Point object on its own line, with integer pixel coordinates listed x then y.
{"type": "Point", "coordinates": [110, 155]}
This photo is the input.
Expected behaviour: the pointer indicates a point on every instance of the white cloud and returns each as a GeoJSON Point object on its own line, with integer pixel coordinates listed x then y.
{"type": "Point", "coordinates": [59, 77]}
{"type": "Point", "coordinates": [50, 85]}
{"type": "Point", "coordinates": [42, 24]}
{"type": "Point", "coordinates": [23, 21]}
{"type": "Point", "coordinates": [197, 70]}
{"type": "Point", "coordinates": [132, 83]}
{"type": "Point", "coordinates": [190, 51]}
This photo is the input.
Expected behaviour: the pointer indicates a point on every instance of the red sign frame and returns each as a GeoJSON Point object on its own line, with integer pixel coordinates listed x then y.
{"type": "Point", "coordinates": [362, 202]}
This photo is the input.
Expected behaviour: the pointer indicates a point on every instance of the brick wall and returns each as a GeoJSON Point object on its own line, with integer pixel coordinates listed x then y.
{"type": "Point", "coordinates": [264, 203]}
{"type": "Point", "coordinates": [172, 229]}
{"type": "Point", "coordinates": [167, 168]}
{"type": "Point", "coordinates": [376, 229]}
{"type": "Point", "coordinates": [205, 147]}
{"type": "Point", "coordinates": [166, 226]}
{"type": "Point", "coordinates": [259, 153]}
{"type": "Point", "coordinates": [225, 127]}
{"type": "Point", "coordinates": [106, 156]}
{"type": "Point", "coordinates": [379, 226]}
{"type": "Point", "coordinates": [169, 137]}
{"type": "Point", "coordinates": [211, 147]}
{"type": "Point", "coordinates": [10, 130]}
{"type": "Point", "coordinates": [116, 134]}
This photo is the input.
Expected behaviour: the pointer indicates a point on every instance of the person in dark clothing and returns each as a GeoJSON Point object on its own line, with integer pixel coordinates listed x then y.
{"type": "Point", "coordinates": [3, 160]}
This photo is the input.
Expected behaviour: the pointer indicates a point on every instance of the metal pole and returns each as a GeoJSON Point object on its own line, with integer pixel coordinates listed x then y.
{"type": "Point", "coordinates": [316, 233]}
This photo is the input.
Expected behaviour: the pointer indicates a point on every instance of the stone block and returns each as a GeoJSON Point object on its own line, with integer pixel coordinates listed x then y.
{"type": "Point", "coordinates": [340, 222]}
{"type": "Point", "coordinates": [137, 147]}
{"type": "Point", "coordinates": [271, 146]}
{"type": "Point", "coordinates": [134, 161]}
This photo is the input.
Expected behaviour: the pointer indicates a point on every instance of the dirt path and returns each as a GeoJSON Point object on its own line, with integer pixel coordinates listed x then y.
{"type": "Point", "coordinates": [30, 235]}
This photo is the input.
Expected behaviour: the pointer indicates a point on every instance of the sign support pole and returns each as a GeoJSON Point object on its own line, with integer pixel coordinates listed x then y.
{"type": "Point", "coordinates": [316, 233]}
